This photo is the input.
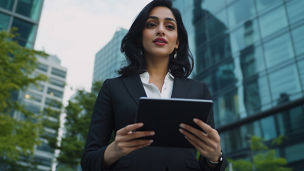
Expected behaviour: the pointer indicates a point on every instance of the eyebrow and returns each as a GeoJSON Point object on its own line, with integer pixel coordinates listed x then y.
{"type": "Point", "coordinates": [167, 18]}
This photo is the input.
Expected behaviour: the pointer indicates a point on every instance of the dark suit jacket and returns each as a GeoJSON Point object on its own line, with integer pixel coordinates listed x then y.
{"type": "Point", "coordinates": [116, 107]}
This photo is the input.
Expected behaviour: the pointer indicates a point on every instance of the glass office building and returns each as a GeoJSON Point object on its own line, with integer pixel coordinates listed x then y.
{"type": "Point", "coordinates": [23, 15]}
{"type": "Point", "coordinates": [109, 59]}
{"type": "Point", "coordinates": [250, 53]}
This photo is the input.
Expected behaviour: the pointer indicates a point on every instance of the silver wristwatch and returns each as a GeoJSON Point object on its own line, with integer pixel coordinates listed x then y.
{"type": "Point", "coordinates": [220, 159]}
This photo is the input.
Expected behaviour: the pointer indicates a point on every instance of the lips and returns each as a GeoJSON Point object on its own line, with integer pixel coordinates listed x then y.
{"type": "Point", "coordinates": [160, 41]}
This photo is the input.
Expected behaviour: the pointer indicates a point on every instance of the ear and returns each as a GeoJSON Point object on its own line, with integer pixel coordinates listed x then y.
{"type": "Point", "coordinates": [177, 44]}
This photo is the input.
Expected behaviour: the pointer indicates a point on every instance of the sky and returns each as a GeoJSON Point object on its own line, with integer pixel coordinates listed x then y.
{"type": "Point", "coordinates": [75, 30]}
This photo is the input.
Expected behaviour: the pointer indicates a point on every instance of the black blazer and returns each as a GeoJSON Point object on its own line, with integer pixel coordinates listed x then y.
{"type": "Point", "coordinates": [116, 107]}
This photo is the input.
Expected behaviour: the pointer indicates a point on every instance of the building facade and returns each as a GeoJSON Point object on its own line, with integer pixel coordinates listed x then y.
{"type": "Point", "coordinates": [250, 54]}
{"type": "Point", "coordinates": [23, 15]}
{"type": "Point", "coordinates": [109, 59]}
{"type": "Point", "coordinates": [46, 95]}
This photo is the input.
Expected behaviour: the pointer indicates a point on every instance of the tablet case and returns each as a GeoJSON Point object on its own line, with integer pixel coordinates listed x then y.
{"type": "Point", "coordinates": [164, 116]}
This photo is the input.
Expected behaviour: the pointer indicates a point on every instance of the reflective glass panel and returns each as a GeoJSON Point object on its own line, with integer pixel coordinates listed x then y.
{"type": "Point", "coordinates": [295, 11]}
{"type": "Point", "coordinates": [263, 5]}
{"type": "Point", "coordinates": [33, 96]}
{"type": "Point", "coordinates": [298, 39]}
{"type": "Point", "coordinates": [240, 11]}
{"type": "Point", "coordinates": [284, 83]}
{"type": "Point", "coordinates": [212, 5]}
{"type": "Point", "coordinates": [58, 72]}
{"type": "Point", "coordinates": [42, 67]}
{"type": "Point", "coordinates": [7, 4]}
{"type": "Point", "coordinates": [216, 24]}
{"type": "Point", "coordinates": [29, 8]}
{"type": "Point", "coordinates": [26, 30]}
{"type": "Point", "coordinates": [252, 61]}
{"type": "Point", "coordinates": [54, 92]}
{"type": "Point", "coordinates": [301, 72]}
{"type": "Point", "coordinates": [56, 82]}
{"type": "Point", "coordinates": [244, 36]}
{"type": "Point", "coordinates": [273, 21]}
{"type": "Point", "coordinates": [53, 103]}
{"type": "Point", "coordinates": [32, 107]}
{"type": "Point", "coordinates": [278, 50]}
{"type": "Point", "coordinates": [39, 87]}
{"type": "Point", "coordinates": [4, 21]}
{"type": "Point", "coordinates": [256, 94]}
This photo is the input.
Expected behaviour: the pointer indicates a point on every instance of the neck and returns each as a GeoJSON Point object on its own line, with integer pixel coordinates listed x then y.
{"type": "Point", "coordinates": [157, 67]}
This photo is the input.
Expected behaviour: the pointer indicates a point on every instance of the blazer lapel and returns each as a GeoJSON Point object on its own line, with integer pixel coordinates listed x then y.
{"type": "Point", "coordinates": [179, 88]}
{"type": "Point", "coordinates": [134, 86]}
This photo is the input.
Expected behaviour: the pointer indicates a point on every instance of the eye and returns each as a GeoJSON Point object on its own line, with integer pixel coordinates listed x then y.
{"type": "Point", "coordinates": [150, 25]}
{"type": "Point", "coordinates": [170, 27]}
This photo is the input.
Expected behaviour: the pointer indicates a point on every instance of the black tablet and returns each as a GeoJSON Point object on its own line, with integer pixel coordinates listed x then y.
{"type": "Point", "coordinates": [164, 116]}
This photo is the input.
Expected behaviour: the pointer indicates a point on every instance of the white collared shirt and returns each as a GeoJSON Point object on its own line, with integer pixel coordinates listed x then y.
{"type": "Point", "coordinates": [151, 89]}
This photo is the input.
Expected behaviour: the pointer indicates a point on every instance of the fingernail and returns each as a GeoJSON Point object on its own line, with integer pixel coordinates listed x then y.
{"type": "Point", "coordinates": [195, 120]}
{"type": "Point", "coordinates": [152, 133]}
{"type": "Point", "coordinates": [182, 125]}
{"type": "Point", "coordinates": [180, 130]}
{"type": "Point", "coordinates": [151, 141]}
{"type": "Point", "coordinates": [140, 124]}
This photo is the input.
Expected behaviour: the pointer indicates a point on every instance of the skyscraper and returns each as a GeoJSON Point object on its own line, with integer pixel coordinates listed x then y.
{"type": "Point", "coordinates": [46, 95]}
{"type": "Point", "coordinates": [250, 54]}
{"type": "Point", "coordinates": [109, 59]}
{"type": "Point", "coordinates": [23, 15]}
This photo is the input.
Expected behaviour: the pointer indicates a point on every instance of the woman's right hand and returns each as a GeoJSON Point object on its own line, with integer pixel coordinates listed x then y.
{"type": "Point", "coordinates": [125, 142]}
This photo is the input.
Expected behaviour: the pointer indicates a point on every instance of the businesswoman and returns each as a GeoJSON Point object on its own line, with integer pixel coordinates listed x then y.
{"type": "Point", "coordinates": [156, 48]}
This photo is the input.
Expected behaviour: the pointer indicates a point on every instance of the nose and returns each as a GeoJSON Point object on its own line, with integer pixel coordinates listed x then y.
{"type": "Point", "coordinates": [160, 30]}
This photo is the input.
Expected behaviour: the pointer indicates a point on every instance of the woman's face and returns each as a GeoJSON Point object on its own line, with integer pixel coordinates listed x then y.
{"type": "Point", "coordinates": [160, 33]}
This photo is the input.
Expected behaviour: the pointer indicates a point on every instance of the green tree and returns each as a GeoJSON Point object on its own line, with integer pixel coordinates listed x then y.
{"type": "Point", "coordinates": [78, 117]}
{"type": "Point", "coordinates": [17, 64]}
{"type": "Point", "coordinates": [264, 159]}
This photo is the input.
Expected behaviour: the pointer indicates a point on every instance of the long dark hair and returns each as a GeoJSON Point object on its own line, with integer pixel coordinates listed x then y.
{"type": "Point", "coordinates": [132, 47]}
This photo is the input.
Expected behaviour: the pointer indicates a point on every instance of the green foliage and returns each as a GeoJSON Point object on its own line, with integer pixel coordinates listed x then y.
{"type": "Point", "coordinates": [78, 117]}
{"type": "Point", "coordinates": [263, 158]}
{"type": "Point", "coordinates": [17, 64]}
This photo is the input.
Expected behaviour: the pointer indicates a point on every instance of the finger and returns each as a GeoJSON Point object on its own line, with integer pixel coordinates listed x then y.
{"type": "Point", "coordinates": [135, 135]}
{"type": "Point", "coordinates": [207, 128]}
{"type": "Point", "coordinates": [199, 143]}
{"type": "Point", "coordinates": [130, 149]}
{"type": "Point", "coordinates": [128, 128]}
{"type": "Point", "coordinates": [193, 130]}
{"type": "Point", "coordinates": [197, 147]}
{"type": "Point", "coordinates": [135, 143]}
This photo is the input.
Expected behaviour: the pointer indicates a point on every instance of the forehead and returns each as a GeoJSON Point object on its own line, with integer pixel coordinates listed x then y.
{"type": "Point", "coordinates": [162, 12]}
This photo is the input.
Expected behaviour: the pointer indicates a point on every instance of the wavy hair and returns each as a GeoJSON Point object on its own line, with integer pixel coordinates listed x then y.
{"type": "Point", "coordinates": [132, 47]}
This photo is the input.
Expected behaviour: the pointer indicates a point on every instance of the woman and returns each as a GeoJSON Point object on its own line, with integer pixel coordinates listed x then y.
{"type": "Point", "coordinates": [156, 47]}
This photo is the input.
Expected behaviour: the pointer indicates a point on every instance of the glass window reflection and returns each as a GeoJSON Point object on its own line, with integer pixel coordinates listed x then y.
{"type": "Point", "coordinates": [240, 11]}
{"type": "Point", "coordinates": [278, 50]}
{"type": "Point", "coordinates": [301, 72]}
{"type": "Point", "coordinates": [26, 30]}
{"type": "Point", "coordinates": [29, 8]}
{"type": "Point", "coordinates": [7, 4]}
{"type": "Point", "coordinates": [284, 82]}
{"type": "Point", "coordinates": [263, 5]}
{"type": "Point", "coordinates": [295, 11]}
{"type": "Point", "coordinates": [212, 5]}
{"type": "Point", "coordinates": [273, 21]}
{"type": "Point", "coordinates": [252, 61]}
{"type": "Point", "coordinates": [4, 20]}
{"type": "Point", "coordinates": [298, 39]}
{"type": "Point", "coordinates": [244, 36]}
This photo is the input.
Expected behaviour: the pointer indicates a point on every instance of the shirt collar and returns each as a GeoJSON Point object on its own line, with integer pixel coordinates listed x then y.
{"type": "Point", "coordinates": [145, 77]}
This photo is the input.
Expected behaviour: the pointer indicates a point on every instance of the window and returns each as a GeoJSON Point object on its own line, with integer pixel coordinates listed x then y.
{"type": "Point", "coordinates": [29, 8]}
{"type": "Point", "coordinates": [295, 11]}
{"type": "Point", "coordinates": [32, 107]}
{"type": "Point", "coordinates": [26, 30]}
{"type": "Point", "coordinates": [278, 50]}
{"type": "Point", "coordinates": [268, 26]}
{"type": "Point", "coordinates": [4, 20]}
{"type": "Point", "coordinates": [52, 103]}
{"type": "Point", "coordinates": [284, 82]}
{"type": "Point", "coordinates": [252, 61]}
{"type": "Point", "coordinates": [7, 4]}
{"type": "Point", "coordinates": [263, 5]}
{"type": "Point", "coordinates": [58, 72]}
{"type": "Point", "coordinates": [298, 39]}
{"type": "Point", "coordinates": [54, 92]}
{"type": "Point", "coordinates": [39, 87]}
{"type": "Point", "coordinates": [42, 67]}
{"type": "Point", "coordinates": [33, 96]}
{"type": "Point", "coordinates": [56, 82]}
{"type": "Point", "coordinates": [239, 12]}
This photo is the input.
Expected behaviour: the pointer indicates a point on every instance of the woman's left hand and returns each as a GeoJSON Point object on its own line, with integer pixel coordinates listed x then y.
{"type": "Point", "coordinates": [207, 142]}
